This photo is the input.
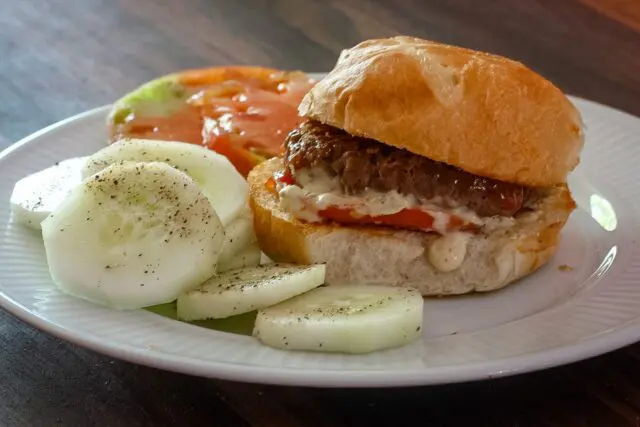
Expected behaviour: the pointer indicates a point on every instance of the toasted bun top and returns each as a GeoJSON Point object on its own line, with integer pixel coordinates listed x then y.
{"type": "Point", "coordinates": [483, 113]}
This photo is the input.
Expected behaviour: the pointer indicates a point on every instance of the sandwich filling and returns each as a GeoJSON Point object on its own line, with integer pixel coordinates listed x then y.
{"type": "Point", "coordinates": [332, 176]}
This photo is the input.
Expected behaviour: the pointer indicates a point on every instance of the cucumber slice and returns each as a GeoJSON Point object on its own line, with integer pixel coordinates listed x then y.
{"type": "Point", "coordinates": [35, 196]}
{"type": "Point", "coordinates": [244, 290]}
{"type": "Point", "coordinates": [249, 256]}
{"type": "Point", "coordinates": [346, 319]}
{"type": "Point", "coordinates": [239, 238]}
{"type": "Point", "coordinates": [133, 235]}
{"type": "Point", "coordinates": [218, 179]}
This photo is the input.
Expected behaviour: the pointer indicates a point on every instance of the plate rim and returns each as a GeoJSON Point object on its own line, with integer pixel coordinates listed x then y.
{"type": "Point", "coordinates": [627, 333]}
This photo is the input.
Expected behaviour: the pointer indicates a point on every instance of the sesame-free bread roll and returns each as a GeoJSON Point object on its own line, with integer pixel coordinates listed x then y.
{"type": "Point", "coordinates": [483, 113]}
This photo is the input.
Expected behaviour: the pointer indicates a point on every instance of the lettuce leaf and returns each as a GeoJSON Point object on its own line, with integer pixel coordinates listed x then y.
{"type": "Point", "coordinates": [159, 97]}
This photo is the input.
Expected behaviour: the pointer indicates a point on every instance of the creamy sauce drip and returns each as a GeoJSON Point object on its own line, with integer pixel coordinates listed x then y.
{"type": "Point", "coordinates": [447, 253]}
{"type": "Point", "coordinates": [317, 190]}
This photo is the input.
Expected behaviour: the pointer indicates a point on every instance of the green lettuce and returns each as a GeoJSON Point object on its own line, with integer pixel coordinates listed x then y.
{"type": "Point", "coordinates": [241, 324]}
{"type": "Point", "coordinates": [159, 97]}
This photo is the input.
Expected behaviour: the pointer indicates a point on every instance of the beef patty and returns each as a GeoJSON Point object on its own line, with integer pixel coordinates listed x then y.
{"type": "Point", "coordinates": [362, 163]}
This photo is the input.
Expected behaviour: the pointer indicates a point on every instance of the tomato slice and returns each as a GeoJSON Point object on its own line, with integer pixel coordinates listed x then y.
{"type": "Point", "coordinates": [243, 160]}
{"type": "Point", "coordinates": [184, 126]}
{"type": "Point", "coordinates": [406, 218]}
{"type": "Point", "coordinates": [279, 177]}
{"type": "Point", "coordinates": [244, 113]}
{"type": "Point", "coordinates": [413, 219]}
{"type": "Point", "coordinates": [284, 177]}
{"type": "Point", "coordinates": [258, 118]}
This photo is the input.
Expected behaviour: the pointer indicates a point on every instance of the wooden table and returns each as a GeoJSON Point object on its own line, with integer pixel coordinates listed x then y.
{"type": "Point", "coordinates": [61, 57]}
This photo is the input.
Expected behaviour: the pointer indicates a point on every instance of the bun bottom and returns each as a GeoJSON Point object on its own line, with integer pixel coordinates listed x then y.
{"type": "Point", "coordinates": [370, 254]}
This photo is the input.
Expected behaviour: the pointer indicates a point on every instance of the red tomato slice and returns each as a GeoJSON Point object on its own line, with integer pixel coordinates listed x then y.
{"type": "Point", "coordinates": [414, 219]}
{"type": "Point", "coordinates": [284, 177]}
{"type": "Point", "coordinates": [243, 160]}
{"type": "Point", "coordinates": [280, 177]}
{"type": "Point", "coordinates": [406, 218]}
{"type": "Point", "coordinates": [181, 126]}
{"type": "Point", "coordinates": [244, 113]}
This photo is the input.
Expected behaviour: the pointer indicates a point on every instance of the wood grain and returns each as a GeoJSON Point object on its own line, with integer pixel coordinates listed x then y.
{"type": "Point", "coordinates": [62, 57]}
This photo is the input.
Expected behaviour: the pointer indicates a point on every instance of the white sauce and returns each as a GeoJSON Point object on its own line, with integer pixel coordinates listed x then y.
{"type": "Point", "coordinates": [316, 180]}
{"type": "Point", "coordinates": [440, 220]}
{"type": "Point", "coordinates": [447, 253]}
{"type": "Point", "coordinates": [292, 199]}
{"type": "Point", "coordinates": [369, 203]}
{"type": "Point", "coordinates": [317, 191]}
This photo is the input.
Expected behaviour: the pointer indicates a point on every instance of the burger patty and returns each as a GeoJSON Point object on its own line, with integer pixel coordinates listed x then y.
{"type": "Point", "coordinates": [362, 163]}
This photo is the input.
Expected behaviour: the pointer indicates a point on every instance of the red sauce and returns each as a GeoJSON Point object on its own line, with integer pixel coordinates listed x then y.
{"type": "Point", "coordinates": [284, 177]}
{"type": "Point", "coordinates": [243, 113]}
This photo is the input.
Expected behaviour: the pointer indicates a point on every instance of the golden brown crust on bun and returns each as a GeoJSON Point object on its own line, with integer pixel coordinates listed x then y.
{"type": "Point", "coordinates": [486, 114]}
{"type": "Point", "coordinates": [507, 252]}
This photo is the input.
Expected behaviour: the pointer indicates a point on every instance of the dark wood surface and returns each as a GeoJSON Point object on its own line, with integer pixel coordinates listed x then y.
{"type": "Point", "coordinates": [61, 57]}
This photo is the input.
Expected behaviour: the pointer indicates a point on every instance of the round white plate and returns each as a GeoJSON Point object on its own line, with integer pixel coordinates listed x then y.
{"type": "Point", "coordinates": [583, 303]}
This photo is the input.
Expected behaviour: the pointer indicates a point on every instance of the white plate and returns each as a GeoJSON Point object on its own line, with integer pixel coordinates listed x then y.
{"type": "Point", "coordinates": [551, 318]}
